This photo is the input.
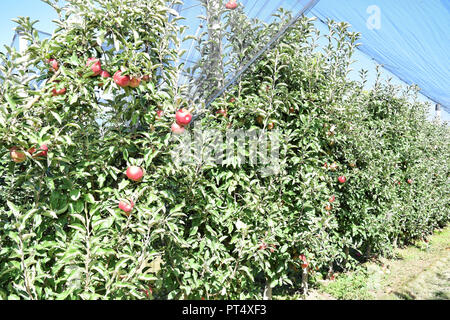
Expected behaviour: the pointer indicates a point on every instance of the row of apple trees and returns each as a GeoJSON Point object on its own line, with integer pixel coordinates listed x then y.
{"type": "Point", "coordinates": [107, 192]}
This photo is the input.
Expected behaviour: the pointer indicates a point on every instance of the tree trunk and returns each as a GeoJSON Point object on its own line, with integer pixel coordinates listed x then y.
{"type": "Point", "coordinates": [347, 254]}
{"type": "Point", "coordinates": [267, 295]}
{"type": "Point", "coordinates": [305, 282]}
{"type": "Point", "coordinates": [369, 251]}
{"type": "Point", "coordinates": [330, 269]}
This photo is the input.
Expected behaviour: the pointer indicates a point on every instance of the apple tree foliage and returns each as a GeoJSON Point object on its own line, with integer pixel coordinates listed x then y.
{"type": "Point", "coordinates": [202, 229]}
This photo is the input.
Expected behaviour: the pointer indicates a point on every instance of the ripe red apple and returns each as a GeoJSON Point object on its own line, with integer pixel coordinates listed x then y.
{"type": "Point", "coordinates": [17, 155]}
{"type": "Point", "coordinates": [104, 74]}
{"type": "Point", "coordinates": [43, 153]}
{"type": "Point", "coordinates": [304, 263]}
{"type": "Point", "coordinates": [177, 129]}
{"type": "Point", "coordinates": [232, 100]}
{"type": "Point", "coordinates": [135, 82]}
{"type": "Point", "coordinates": [54, 66]}
{"type": "Point", "coordinates": [409, 181]}
{"type": "Point", "coordinates": [135, 173]}
{"type": "Point", "coordinates": [95, 66]}
{"type": "Point", "coordinates": [126, 206]}
{"type": "Point", "coordinates": [231, 5]}
{"type": "Point", "coordinates": [159, 113]}
{"type": "Point", "coordinates": [183, 117]}
{"type": "Point", "coordinates": [332, 198]}
{"type": "Point", "coordinates": [342, 179]}
{"type": "Point", "coordinates": [59, 92]}
{"type": "Point", "coordinates": [328, 207]}
{"type": "Point", "coordinates": [221, 112]}
{"type": "Point", "coordinates": [120, 80]}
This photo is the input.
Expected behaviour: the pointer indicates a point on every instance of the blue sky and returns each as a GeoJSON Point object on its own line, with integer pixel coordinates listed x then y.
{"type": "Point", "coordinates": [35, 9]}
{"type": "Point", "coordinates": [38, 10]}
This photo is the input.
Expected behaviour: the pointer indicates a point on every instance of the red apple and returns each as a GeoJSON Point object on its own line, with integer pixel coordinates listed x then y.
{"type": "Point", "coordinates": [17, 155]}
{"type": "Point", "coordinates": [120, 80]}
{"type": "Point", "coordinates": [304, 263]}
{"type": "Point", "coordinates": [126, 206]}
{"type": "Point", "coordinates": [232, 100]}
{"type": "Point", "coordinates": [159, 113]}
{"type": "Point", "coordinates": [331, 200]}
{"type": "Point", "coordinates": [135, 82]}
{"type": "Point", "coordinates": [221, 112]}
{"type": "Point", "coordinates": [59, 92]}
{"type": "Point", "coordinates": [43, 153]}
{"type": "Point", "coordinates": [135, 173]}
{"type": "Point", "coordinates": [183, 117]}
{"type": "Point", "coordinates": [104, 74]}
{"type": "Point", "coordinates": [53, 65]}
{"type": "Point", "coordinates": [177, 129]}
{"type": "Point", "coordinates": [32, 150]}
{"type": "Point", "coordinates": [409, 181]}
{"type": "Point", "coordinates": [342, 179]}
{"type": "Point", "coordinates": [95, 66]}
{"type": "Point", "coordinates": [231, 5]}
{"type": "Point", "coordinates": [328, 207]}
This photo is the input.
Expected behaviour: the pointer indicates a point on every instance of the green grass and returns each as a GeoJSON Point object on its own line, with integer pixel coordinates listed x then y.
{"type": "Point", "coordinates": [419, 272]}
{"type": "Point", "coordinates": [349, 286]}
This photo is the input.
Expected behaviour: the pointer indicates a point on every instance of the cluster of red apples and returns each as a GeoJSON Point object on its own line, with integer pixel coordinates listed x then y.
{"type": "Point", "coordinates": [183, 118]}
{"type": "Point", "coordinates": [95, 66]}
{"type": "Point", "coordinates": [136, 174]}
{"type": "Point", "coordinates": [18, 155]}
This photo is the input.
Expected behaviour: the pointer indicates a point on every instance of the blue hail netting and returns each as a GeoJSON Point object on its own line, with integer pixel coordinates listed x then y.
{"type": "Point", "coordinates": [410, 38]}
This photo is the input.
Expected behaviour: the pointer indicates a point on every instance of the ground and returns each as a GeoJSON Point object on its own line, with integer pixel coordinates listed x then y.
{"type": "Point", "coordinates": [419, 272]}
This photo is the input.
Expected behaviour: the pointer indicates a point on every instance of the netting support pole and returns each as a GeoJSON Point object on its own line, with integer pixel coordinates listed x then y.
{"type": "Point", "coordinates": [438, 113]}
